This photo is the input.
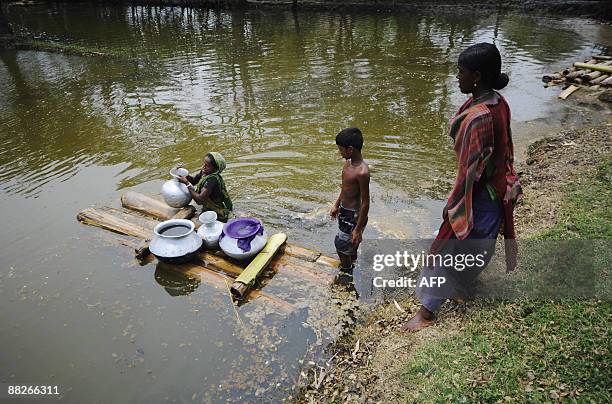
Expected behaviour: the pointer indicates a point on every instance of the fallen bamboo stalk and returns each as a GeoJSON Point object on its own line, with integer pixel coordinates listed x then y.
{"type": "Point", "coordinates": [602, 57]}
{"type": "Point", "coordinates": [599, 67]}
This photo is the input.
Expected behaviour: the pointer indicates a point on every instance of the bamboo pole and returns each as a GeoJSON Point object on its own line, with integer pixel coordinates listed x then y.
{"type": "Point", "coordinates": [219, 263]}
{"type": "Point", "coordinates": [185, 213]}
{"type": "Point", "coordinates": [591, 76]}
{"type": "Point", "coordinates": [310, 255]}
{"type": "Point", "coordinates": [599, 79]}
{"type": "Point", "coordinates": [328, 261]}
{"type": "Point", "coordinates": [574, 74]}
{"type": "Point", "coordinates": [247, 278]}
{"type": "Point", "coordinates": [599, 67]}
{"type": "Point", "coordinates": [153, 207]}
{"type": "Point", "coordinates": [106, 220]}
{"type": "Point", "coordinates": [602, 57]}
{"type": "Point", "coordinates": [301, 252]}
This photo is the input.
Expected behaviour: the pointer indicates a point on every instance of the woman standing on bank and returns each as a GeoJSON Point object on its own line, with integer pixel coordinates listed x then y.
{"type": "Point", "coordinates": [486, 188]}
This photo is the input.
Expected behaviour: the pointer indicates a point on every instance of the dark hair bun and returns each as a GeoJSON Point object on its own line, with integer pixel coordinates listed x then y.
{"type": "Point", "coordinates": [501, 81]}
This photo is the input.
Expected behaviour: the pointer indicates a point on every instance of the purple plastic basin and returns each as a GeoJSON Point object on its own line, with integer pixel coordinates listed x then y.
{"type": "Point", "coordinates": [244, 229]}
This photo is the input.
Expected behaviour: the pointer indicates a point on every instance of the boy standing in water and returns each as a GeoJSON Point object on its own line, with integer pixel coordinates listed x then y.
{"type": "Point", "coordinates": [353, 203]}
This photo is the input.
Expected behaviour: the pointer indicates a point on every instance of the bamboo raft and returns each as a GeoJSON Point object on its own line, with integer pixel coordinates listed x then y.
{"type": "Point", "coordinates": [139, 214]}
{"type": "Point", "coordinates": [595, 73]}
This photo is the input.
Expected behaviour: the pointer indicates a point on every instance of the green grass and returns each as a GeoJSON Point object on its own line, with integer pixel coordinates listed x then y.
{"type": "Point", "coordinates": [587, 212]}
{"type": "Point", "coordinates": [530, 350]}
{"type": "Point", "coordinates": [523, 351]}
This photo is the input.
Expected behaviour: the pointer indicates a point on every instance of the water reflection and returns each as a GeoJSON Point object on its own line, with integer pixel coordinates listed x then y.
{"type": "Point", "coordinates": [176, 284]}
{"type": "Point", "coordinates": [247, 83]}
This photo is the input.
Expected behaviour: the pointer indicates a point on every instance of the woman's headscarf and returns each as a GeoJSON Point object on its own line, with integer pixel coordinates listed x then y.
{"type": "Point", "coordinates": [220, 163]}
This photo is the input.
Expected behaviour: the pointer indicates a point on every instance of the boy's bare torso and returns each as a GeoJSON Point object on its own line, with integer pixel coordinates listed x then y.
{"type": "Point", "coordinates": [351, 174]}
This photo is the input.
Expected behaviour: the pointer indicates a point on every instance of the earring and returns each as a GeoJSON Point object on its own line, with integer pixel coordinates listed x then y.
{"type": "Point", "coordinates": [475, 85]}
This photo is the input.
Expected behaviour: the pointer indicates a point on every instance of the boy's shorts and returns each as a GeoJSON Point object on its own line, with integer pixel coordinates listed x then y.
{"type": "Point", "coordinates": [347, 220]}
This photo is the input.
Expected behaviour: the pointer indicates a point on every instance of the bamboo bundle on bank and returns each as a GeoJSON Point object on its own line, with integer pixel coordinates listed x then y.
{"type": "Point", "coordinates": [594, 72]}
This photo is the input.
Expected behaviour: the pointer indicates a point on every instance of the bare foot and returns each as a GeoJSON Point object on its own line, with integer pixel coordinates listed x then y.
{"type": "Point", "coordinates": [422, 319]}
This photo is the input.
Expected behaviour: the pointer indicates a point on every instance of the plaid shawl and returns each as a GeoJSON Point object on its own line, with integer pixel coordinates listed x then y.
{"type": "Point", "coordinates": [482, 134]}
{"type": "Point", "coordinates": [472, 131]}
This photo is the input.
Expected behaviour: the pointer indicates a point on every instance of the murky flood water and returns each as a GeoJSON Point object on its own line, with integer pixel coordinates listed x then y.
{"type": "Point", "coordinates": [269, 89]}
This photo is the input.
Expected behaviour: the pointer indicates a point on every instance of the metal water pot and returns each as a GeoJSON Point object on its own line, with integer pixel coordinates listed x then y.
{"type": "Point", "coordinates": [175, 241]}
{"type": "Point", "coordinates": [176, 194]}
{"type": "Point", "coordinates": [211, 230]}
{"type": "Point", "coordinates": [243, 238]}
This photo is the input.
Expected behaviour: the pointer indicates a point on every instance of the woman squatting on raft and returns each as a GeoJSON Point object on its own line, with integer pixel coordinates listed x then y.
{"type": "Point", "coordinates": [486, 188]}
{"type": "Point", "coordinates": [207, 188]}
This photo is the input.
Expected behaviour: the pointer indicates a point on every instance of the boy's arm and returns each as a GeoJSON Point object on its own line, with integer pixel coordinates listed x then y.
{"type": "Point", "coordinates": [334, 210]}
{"type": "Point", "coordinates": [364, 190]}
